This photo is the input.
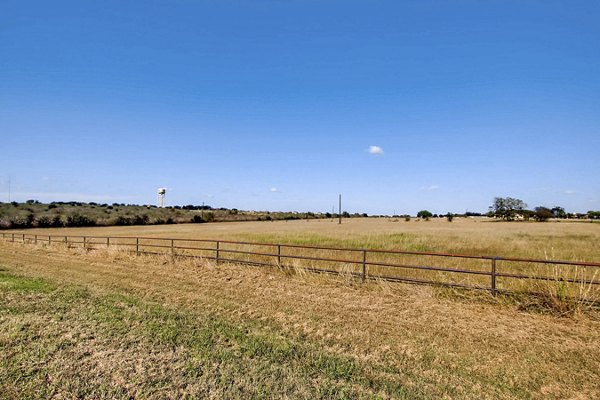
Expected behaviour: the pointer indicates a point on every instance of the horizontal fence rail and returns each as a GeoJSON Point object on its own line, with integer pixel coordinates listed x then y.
{"type": "Point", "coordinates": [453, 270]}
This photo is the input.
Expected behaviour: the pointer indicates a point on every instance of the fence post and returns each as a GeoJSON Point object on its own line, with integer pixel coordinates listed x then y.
{"type": "Point", "coordinates": [494, 274]}
{"type": "Point", "coordinates": [35, 239]}
{"type": "Point", "coordinates": [66, 241]}
{"type": "Point", "coordinates": [364, 266]}
{"type": "Point", "coordinates": [84, 242]}
{"type": "Point", "coordinates": [172, 249]}
{"type": "Point", "coordinates": [49, 240]}
{"type": "Point", "coordinates": [13, 237]}
{"type": "Point", "coordinates": [217, 252]}
{"type": "Point", "coordinates": [279, 255]}
{"type": "Point", "coordinates": [107, 242]}
{"type": "Point", "coordinates": [23, 238]}
{"type": "Point", "coordinates": [137, 246]}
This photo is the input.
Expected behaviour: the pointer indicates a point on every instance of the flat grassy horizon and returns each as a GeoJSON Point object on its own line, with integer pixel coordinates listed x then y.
{"type": "Point", "coordinates": [561, 239]}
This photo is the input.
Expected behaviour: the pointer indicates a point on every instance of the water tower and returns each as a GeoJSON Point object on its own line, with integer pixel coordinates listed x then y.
{"type": "Point", "coordinates": [161, 196]}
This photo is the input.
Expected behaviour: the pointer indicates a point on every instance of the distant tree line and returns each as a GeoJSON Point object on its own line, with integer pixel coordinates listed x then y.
{"type": "Point", "coordinates": [509, 209]}
{"type": "Point", "coordinates": [32, 214]}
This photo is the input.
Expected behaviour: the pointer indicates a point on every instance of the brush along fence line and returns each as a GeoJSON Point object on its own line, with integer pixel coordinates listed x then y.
{"type": "Point", "coordinates": [565, 278]}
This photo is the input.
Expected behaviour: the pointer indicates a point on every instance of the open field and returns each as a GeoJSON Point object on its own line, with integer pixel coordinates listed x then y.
{"type": "Point", "coordinates": [576, 241]}
{"type": "Point", "coordinates": [108, 325]}
{"type": "Point", "coordinates": [572, 241]}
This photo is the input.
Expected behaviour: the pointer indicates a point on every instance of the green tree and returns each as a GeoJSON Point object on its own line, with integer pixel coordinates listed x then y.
{"type": "Point", "coordinates": [593, 214]}
{"type": "Point", "coordinates": [507, 208]}
{"type": "Point", "coordinates": [424, 214]}
{"type": "Point", "coordinates": [559, 212]}
{"type": "Point", "coordinates": [542, 214]}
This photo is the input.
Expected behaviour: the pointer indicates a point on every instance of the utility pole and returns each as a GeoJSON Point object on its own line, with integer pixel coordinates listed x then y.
{"type": "Point", "coordinates": [340, 209]}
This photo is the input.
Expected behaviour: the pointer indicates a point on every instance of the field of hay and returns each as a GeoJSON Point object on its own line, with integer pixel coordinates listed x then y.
{"type": "Point", "coordinates": [564, 240]}
{"type": "Point", "coordinates": [108, 324]}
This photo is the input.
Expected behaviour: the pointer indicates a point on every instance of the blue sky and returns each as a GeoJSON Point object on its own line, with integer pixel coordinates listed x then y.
{"type": "Point", "coordinates": [274, 104]}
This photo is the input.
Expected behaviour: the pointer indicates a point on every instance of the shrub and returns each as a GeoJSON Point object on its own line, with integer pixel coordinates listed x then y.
{"type": "Point", "coordinates": [74, 220]}
{"type": "Point", "coordinates": [22, 221]}
{"type": "Point", "coordinates": [197, 219]}
{"type": "Point", "coordinates": [449, 217]}
{"type": "Point", "coordinates": [209, 217]}
{"type": "Point", "coordinates": [142, 219]}
{"type": "Point", "coordinates": [57, 222]}
{"type": "Point", "coordinates": [5, 223]}
{"type": "Point", "coordinates": [122, 220]}
{"type": "Point", "coordinates": [43, 221]}
{"type": "Point", "coordinates": [47, 221]}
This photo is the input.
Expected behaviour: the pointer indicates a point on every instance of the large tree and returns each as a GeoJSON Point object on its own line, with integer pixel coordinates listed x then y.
{"type": "Point", "coordinates": [559, 212]}
{"type": "Point", "coordinates": [507, 207]}
{"type": "Point", "coordinates": [542, 214]}
{"type": "Point", "coordinates": [424, 214]}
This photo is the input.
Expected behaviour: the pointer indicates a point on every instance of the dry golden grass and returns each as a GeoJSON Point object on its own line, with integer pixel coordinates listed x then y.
{"type": "Point", "coordinates": [480, 236]}
{"type": "Point", "coordinates": [564, 240]}
{"type": "Point", "coordinates": [327, 337]}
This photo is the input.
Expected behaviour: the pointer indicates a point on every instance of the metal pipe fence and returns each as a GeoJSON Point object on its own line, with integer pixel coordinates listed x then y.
{"type": "Point", "coordinates": [490, 273]}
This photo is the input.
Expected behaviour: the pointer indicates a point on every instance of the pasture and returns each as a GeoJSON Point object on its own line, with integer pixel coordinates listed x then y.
{"type": "Point", "coordinates": [478, 240]}
{"type": "Point", "coordinates": [108, 324]}
{"type": "Point", "coordinates": [564, 239]}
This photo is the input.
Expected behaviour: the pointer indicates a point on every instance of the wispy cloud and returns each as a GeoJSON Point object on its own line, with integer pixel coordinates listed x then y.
{"type": "Point", "coordinates": [569, 191]}
{"type": "Point", "coordinates": [274, 190]}
{"type": "Point", "coordinates": [375, 150]}
{"type": "Point", "coordinates": [430, 188]}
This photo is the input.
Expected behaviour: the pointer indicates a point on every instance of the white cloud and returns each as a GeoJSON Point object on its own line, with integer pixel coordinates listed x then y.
{"type": "Point", "coordinates": [430, 188]}
{"type": "Point", "coordinates": [569, 191]}
{"type": "Point", "coordinates": [274, 190]}
{"type": "Point", "coordinates": [375, 150]}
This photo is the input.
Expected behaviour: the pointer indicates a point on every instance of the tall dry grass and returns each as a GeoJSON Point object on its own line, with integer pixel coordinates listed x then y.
{"type": "Point", "coordinates": [565, 289]}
